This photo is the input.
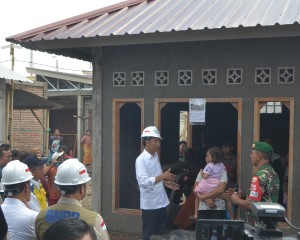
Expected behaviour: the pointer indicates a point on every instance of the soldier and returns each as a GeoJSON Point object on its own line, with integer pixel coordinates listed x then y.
{"type": "Point", "coordinates": [265, 182]}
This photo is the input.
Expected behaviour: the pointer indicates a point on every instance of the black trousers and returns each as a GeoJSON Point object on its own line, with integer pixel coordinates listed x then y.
{"type": "Point", "coordinates": [211, 214]}
{"type": "Point", "coordinates": [154, 222]}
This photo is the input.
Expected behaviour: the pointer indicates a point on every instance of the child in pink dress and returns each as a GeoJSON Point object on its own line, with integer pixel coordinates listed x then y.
{"type": "Point", "coordinates": [210, 181]}
{"type": "Point", "coordinates": [210, 178]}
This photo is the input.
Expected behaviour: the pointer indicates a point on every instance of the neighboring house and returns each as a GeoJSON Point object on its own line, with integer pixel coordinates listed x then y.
{"type": "Point", "coordinates": [74, 93]}
{"type": "Point", "coordinates": [151, 57]}
{"type": "Point", "coordinates": [7, 79]}
{"type": "Point", "coordinates": [29, 120]}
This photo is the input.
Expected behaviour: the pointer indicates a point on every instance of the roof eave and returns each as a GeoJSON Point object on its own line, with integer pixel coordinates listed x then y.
{"type": "Point", "coordinates": [74, 46]}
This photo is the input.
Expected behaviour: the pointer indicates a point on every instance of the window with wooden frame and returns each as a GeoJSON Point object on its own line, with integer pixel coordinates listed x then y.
{"type": "Point", "coordinates": [128, 123]}
{"type": "Point", "coordinates": [282, 139]}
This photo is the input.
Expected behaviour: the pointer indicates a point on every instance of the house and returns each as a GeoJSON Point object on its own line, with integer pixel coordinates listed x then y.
{"type": "Point", "coordinates": [23, 112]}
{"type": "Point", "coordinates": [151, 57]}
{"type": "Point", "coordinates": [7, 75]}
{"type": "Point", "coordinates": [73, 92]}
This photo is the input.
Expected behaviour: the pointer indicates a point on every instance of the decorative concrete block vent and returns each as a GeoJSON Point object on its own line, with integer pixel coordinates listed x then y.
{"type": "Point", "coordinates": [185, 77]}
{"type": "Point", "coordinates": [119, 79]}
{"type": "Point", "coordinates": [286, 75]}
{"type": "Point", "coordinates": [137, 79]}
{"type": "Point", "coordinates": [161, 78]}
{"type": "Point", "coordinates": [209, 76]}
{"type": "Point", "coordinates": [234, 76]}
{"type": "Point", "coordinates": [262, 75]}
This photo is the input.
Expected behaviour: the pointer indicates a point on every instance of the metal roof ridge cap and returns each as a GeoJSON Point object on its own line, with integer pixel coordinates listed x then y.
{"type": "Point", "coordinates": [74, 19]}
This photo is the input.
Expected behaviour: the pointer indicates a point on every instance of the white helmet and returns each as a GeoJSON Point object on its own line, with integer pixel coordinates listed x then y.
{"type": "Point", "coordinates": [151, 131]}
{"type": "Point", "coordinates": [15, 172]}
{"type": "Point", "coordinates": [71, 172]}
{"type": "Point", "coordinates": [56, 155]}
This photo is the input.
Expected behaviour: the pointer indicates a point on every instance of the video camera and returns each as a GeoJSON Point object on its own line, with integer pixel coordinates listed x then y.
{"type": "Point", "coordinates": [268, 214]}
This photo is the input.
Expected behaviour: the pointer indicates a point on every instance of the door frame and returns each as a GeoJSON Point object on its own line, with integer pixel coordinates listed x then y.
{"type": "Point", "coordinates": [117, 104]}
{"type": "Point", "coordinates": [159, 103]}
{"type": "Point", "coordinates": [259, 102]}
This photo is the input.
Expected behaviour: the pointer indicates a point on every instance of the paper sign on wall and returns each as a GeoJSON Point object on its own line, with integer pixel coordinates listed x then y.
{"type": "Point", "coordinates": [197, 111]}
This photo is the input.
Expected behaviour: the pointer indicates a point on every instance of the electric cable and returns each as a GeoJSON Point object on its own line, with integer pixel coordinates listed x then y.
{"type": "Point", "coordinates": [291, 225]}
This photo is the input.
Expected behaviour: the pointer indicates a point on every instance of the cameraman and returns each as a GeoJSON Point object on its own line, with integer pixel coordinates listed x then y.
{"type": "Point", "coordinates": [265, 182]}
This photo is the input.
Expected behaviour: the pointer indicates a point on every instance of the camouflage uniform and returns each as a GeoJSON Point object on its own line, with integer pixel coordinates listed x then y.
{"type": "Point", "coordinates": [264, 188]}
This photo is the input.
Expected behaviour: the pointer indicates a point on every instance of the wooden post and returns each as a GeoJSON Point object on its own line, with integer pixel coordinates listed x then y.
{"type": "Point", "coordinates": [79, 125]}
{"type": "Point", "coordinates": [97, 127]}
{"type": "Point", "coordinates": [3, 115]}
{"type": "Point", "coordinates": [37, 118]}
{"type": "Point", "coordinates": [11, 102]}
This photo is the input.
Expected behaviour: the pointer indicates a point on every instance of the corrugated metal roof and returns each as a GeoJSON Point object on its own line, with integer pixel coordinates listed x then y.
{"type": "Point", "coordinates": [87, 79]}
{"type": "Point", "coordinates": [136, 17]}
{"type": "Point", "coordinates": [27, 100]}
{"type": "Point", "coordinates": [8, 74]}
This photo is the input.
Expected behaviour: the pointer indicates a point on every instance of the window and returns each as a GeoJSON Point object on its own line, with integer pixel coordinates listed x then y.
{"type": "Point", "coordinates": [272, 107]}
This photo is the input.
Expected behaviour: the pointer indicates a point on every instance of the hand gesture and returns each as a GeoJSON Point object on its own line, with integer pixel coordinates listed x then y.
{"type": "Point", "coordinates": [169, 176]}
{"type": "Point", "coordinates": [171, 185]}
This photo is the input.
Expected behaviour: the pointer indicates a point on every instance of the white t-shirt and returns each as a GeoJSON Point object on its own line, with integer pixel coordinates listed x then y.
{"type": "Point", "coordinates": [20, 219]}
{"type": "Point", "coordinates": [152, 196]}
{"type": "Point", "coordinates": [220, 203]}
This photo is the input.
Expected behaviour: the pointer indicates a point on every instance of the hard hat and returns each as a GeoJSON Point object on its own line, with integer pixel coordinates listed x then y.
{"type": "Point", "coordinates": [56, 155]}
{"type": "Point", "coordinates": [71, 172]}
{"type": "Point", "coordinates": [151, 131]}
{"type": "Point", "coordinates": [15, 172]}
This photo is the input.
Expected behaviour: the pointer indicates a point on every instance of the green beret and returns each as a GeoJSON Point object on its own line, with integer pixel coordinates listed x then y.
{"type": "Point", "coordinates": [262, 147]}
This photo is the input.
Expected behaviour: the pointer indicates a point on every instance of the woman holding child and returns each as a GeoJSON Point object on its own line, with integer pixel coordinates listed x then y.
{"type": "Point", "coordinates": [212, 202]}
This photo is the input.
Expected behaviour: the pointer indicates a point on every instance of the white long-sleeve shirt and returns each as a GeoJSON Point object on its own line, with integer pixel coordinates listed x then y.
{"type": "Point", "coordinates": [152, 196]}
{"type": "Point", "coordinates": [20, 219]}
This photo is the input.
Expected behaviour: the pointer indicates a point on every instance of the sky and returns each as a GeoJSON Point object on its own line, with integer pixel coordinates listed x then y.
{"type": "Point", "coordinates": [17, 16]}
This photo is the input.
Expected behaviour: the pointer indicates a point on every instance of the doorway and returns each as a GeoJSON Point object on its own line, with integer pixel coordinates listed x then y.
{"type": "Point", "coordinates": [223, 122]}
{"type": "Point", "coordinates": [274, 123]}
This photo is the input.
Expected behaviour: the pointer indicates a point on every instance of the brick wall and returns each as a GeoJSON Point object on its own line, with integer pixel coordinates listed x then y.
{"type": "Point", "coordinates": [27, 131]}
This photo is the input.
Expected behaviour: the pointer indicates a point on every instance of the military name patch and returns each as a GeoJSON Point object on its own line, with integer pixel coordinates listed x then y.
{"type": "Point", "coordinates": [255, 193]}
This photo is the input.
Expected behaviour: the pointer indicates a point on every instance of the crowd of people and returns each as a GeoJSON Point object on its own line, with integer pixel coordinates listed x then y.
{"type": "Point", "coordinates": [42, 195]}
{"type": "Point", "coordinates": [38, 193]}
{"type": "Point", "coordinates": [215, 188]}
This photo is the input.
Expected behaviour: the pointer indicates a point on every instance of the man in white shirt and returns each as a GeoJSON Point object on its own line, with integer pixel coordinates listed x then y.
{"type": "Point", "coordinates": [151, 181]}
{"type": "Point", "coordinates": [20, 219]}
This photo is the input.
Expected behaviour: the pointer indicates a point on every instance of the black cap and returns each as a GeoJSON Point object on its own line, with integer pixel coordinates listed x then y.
{"type": "Point", "coordinates": [33, 161]}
